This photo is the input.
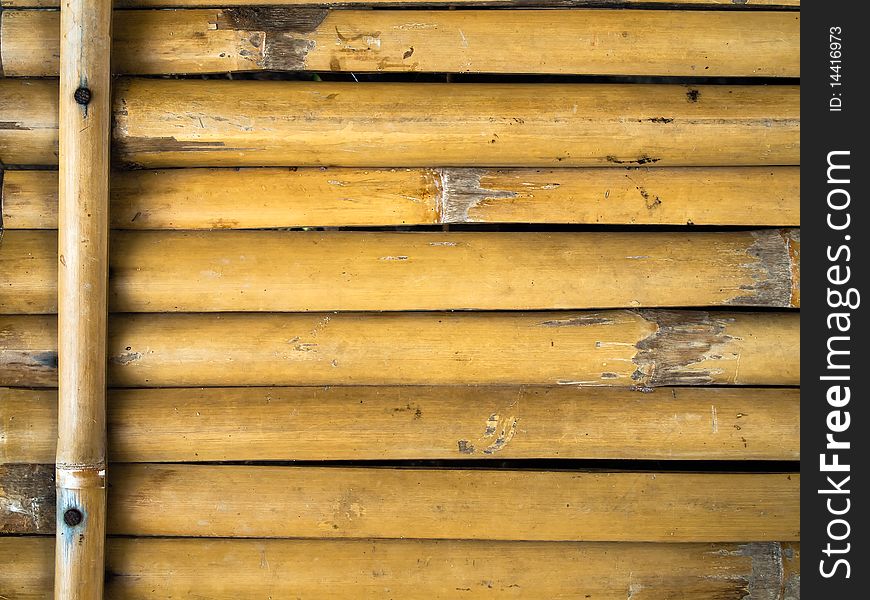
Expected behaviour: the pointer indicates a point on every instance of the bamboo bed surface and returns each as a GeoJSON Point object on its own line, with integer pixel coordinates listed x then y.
{"type": "Point", "coordinates": [402, 299]}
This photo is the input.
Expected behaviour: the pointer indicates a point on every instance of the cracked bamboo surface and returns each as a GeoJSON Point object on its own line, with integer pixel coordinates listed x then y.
{"type": "Point", "coordinates": [618, 348]}
{"type": "Point", "coordinates": [400, 423]}
{"type": "Point", "coordinates": [243, 271]}
{"type": "Point", "coordinates": [590, 42]}
{"type": "Point", "coordinates": [209, 198]}
{"type": "Point", "coordinates": [338, 502]}
{"type": "Point", "coordinates": [363, 569]}
{"type": "Point", "coordinates": [424, 125]}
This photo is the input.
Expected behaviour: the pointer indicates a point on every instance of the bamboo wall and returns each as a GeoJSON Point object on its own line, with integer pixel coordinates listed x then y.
{"type": "Point", "coordinates": [481, 298]}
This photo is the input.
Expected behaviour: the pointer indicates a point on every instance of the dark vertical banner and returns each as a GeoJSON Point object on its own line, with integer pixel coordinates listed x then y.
{"type": "Point", "coordinates": [835, 431]}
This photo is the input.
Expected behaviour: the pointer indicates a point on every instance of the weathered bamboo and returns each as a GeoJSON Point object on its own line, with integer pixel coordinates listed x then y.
{"type": "Point", "coordinates": [332, 502]}
{"type": "Point", "coordinates": [268, 198]}
{"type": "Point", "coordinates": [161, 123]}
{"type": "Point", "coordinates": [28, 122]}
{"type": "Point", "coordinates": [368, 423]}
{"type": "Point", "coordinates": [592, 42]}
{"type": "Point", "coordinates": [83, 226]}
{"type": "Point", "coordinates": [227, 271]}
{"type": "Point", "coordinates": [733, 4]}
{"type": "Point", "coordinates": [174, 123]}
{"type": "Point", "coordinates": [618, 348]}
{"type": "Point", "coordinates": [418, 569]}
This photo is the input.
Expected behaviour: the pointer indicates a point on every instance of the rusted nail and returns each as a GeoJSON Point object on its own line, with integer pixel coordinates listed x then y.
{"type": "Point", "coordinates": [82, 96]}
{"type": "Point", "coordinates": [72, 517]}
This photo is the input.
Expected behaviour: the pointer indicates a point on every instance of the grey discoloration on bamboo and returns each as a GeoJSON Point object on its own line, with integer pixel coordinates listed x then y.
{"type": "Point", "coordinates": [681, 340]}
{"type": "Point", "coordinates": [28, 367]}
{"type": "Point", "coordinates": [27, 498]}
{"type": "Point", "coordinates": [592, 319]}
{"type": "Point", "coordinates": [461, 191]}
{"type": "Point", "coordinates": [765, 581]}
{"type": "Point", "coordinates": [277, 32]}
{"type": "Point", "coordinates": [773, 269]}
{"type": "Point", "coordinates": [791, 588]}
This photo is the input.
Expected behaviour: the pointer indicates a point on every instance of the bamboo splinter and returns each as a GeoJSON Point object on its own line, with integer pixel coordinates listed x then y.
{"type": "Point", "coordinates": [84, 107]}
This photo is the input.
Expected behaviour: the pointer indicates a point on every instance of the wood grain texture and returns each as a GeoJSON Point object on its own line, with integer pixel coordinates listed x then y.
{"type": "Point", "coordinates": [612, 348]}
{"type": "Point", "coordinates": [236, 271]}
{"type": "Point", "coordinates": [254, 123]}
{"type": "Point", "coordinates": [333, 502]}
{"type": "Point", "coordinates": [28, 122]}
{"type": "Point", "coordinates": [269, 198]}
{"type": "Point", "coordinates": [590, 42]}
{"type": "Point", "coordinates": [397, 423]}
{"type": "Point", "coordinates": [424, 569]}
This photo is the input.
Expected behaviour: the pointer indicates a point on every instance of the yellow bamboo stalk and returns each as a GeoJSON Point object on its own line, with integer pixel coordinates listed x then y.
{"type": "Point", "coordinates": [410, 3]}
{"type": "Point", "coordinates": [28, 125]}
{"type": "Point", "coordinates": [213, 198]}
{"type": "Point", "coordinates": [162, 123]}
{"type": "Point", "coordinates": [226, 271]}
{"type": "Point", "coordinates": [618, 348]}
{"type": "Point", "coordinates": [363, 569]}
{"type": "Point", "coordinates": [253, 123]}
{"type": "Point", "coordinates": [593, 42]}
{"type": "Point", "coordinates": [332, 502]}
{"type": "Point", "coordinates": [397, 423]}
{"type": "Point", "coordinates": [83, 224]}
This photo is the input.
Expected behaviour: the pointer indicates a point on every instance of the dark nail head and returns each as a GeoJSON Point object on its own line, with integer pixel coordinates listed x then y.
{"type": "Point", "coordinates": [72, 517]}
{"type": "Point", "coordinates": [82, 96]}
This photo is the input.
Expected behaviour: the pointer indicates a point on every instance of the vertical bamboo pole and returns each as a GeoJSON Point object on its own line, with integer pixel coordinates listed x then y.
{"type": "Point", "coordinates": [84, 123]}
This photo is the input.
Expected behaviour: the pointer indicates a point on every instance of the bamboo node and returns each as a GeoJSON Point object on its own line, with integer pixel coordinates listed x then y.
{"type": "Point", "coordinates": [78, 477]}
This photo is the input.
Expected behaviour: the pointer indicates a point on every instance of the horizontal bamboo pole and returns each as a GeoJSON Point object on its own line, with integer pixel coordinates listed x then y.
{"type": "Point", "coordinates": [227, 271]}
{"type": "Point", "coordinates": [418, 569]}
{"type": "Point", "coordinates": [614, 348]}
{"type": "Point", "coordinates": [327, 502]}
{"type": "Point", "coordinates": [175, 123]}
{"type": "Point", "coordinates": [591, 42]}
{"type": "Point", "coordinates": [161, 123]}
{"type": "Point", "coordinates": [370, 423]}
{"type": "Point", "coordinates": [211, 198]}
{"type": "Point", "coordinates": [28, 122]}
{"type": "Point", "coordinates": [731, 4]}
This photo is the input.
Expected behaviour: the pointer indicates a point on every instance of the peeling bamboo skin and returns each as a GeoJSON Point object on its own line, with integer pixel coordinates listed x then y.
{"type": "Point", "coordinates": [28, 125]}
{"type": "Point", "coordinates": [335, 502]}
{"type": "Point", "coordinates": [368, 569]}
{"type": "Point", "coordinates": [612, 348]}
{"type": "Point", "coordinates": [402, 423]}
{"type": "Point", "coordinates": [425, 125]}
{"type": "Point", "coordinates": [590, 42]}
{"type": "Point", "coordinates": [209, 198]}
{"type": "Point", "coordinates": [231, 271]}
